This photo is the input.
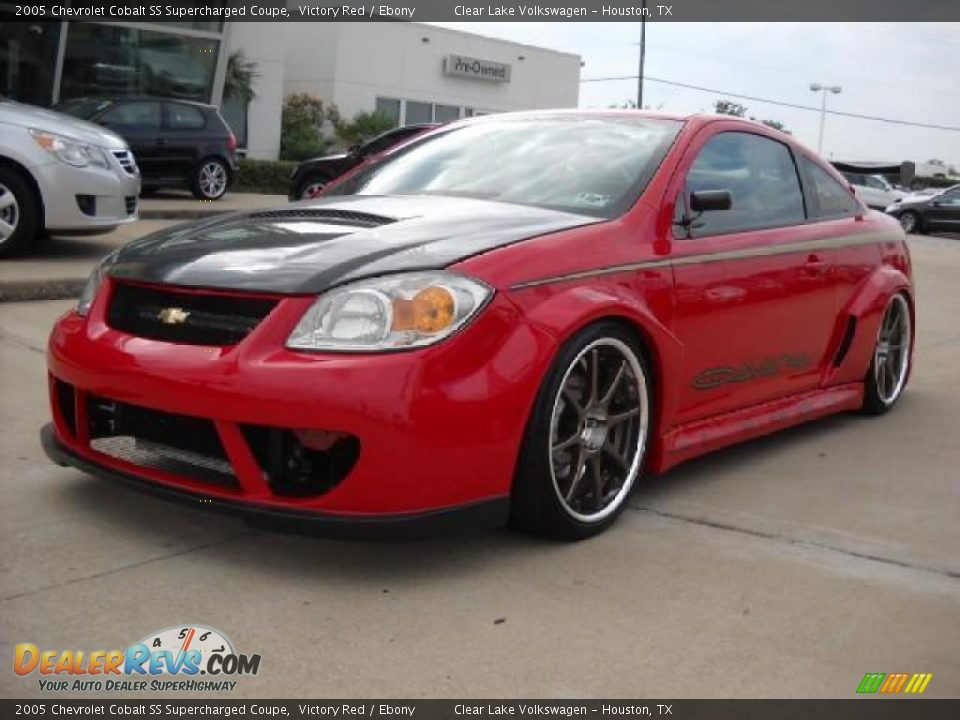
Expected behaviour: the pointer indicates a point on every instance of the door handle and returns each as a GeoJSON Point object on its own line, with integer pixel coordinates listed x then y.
{"type": "Point", "coordinates": [816, 264]}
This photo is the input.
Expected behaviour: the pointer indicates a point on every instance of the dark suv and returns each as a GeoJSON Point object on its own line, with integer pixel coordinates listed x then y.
{"type": "Point", "coordinates": [176, 142]}
{"type": "Point", "coordinates": [312, 176]}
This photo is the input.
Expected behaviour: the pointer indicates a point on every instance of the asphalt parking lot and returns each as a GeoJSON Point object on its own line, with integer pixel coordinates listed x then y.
{"type": "Point", "coordinates": [787, 567]}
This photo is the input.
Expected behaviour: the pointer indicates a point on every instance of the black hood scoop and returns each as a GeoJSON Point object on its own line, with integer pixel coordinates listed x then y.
{"type": "Point", "coordinates": [348, 217]}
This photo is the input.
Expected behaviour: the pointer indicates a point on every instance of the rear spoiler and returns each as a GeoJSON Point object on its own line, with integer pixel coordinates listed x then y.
{"type": "Point", "coordinates": [905, 171]}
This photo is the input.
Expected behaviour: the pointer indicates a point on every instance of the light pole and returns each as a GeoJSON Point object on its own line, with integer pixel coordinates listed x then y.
{"type": "Point", "coordinates": [824, 89]}
{"type": "Point", "coordinates": [643, 52]}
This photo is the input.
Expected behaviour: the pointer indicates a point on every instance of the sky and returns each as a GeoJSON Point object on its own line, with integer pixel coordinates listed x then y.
{"type": "Point", "coordinates": [903, 71]}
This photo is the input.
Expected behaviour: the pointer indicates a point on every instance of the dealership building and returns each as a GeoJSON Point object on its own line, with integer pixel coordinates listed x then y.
{"type": "Point", "coordinates": [409, 71]}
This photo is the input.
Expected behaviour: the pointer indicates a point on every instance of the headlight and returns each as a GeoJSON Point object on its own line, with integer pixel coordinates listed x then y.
{"type": "Point", "coordinates": [390, 313]}
{"type": "Point", "coordinates": [71, 152]}
{"type": "Point", "coordinates": [89, 293]}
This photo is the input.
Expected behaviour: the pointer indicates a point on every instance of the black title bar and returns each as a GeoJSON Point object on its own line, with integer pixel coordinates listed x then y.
{"type": "Point", "coordinates": [497, 10]}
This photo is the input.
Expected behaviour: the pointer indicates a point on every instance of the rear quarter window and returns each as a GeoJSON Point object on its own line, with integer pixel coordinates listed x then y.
{"type": "Point", "coordinates": [184, 117]}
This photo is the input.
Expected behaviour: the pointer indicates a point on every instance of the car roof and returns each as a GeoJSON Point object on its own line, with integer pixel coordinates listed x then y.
{"type": "Point", "coordinates": [139, 98]}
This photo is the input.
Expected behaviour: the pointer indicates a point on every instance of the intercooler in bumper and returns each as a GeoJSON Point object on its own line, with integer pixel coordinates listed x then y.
{"type": "Point", "coordinates": [252, 461]}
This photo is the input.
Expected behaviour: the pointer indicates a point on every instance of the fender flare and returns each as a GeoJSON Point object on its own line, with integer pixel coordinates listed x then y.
{"type": "Point", "coordinates": [866, 305]}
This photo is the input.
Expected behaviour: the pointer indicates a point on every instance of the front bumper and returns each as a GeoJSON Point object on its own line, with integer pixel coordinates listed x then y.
{"type": "Point", "coordinates": [489, 513]}
{"type": "Point", "coordinates": [114, 194]}
{"type": "Point", "coordinates": [439, 428]}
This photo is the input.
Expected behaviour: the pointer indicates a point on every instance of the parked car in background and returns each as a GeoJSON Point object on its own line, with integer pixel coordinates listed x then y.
{"type": "Point", "coordinates": [177, 143]}
{"type": "Point", "coordinates": [517, 314]}
{"type": "Point", "coordinates": [875, 190]}
{"type": "Point", "coordinates": [312, 176]}
{"type": "Point", "coordinates": [61, 175]}
{"type": "Point", "coordinates": [929, 213]}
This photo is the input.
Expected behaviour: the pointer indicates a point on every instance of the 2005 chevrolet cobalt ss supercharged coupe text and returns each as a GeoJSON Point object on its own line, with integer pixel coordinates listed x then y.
{"type": "Point", "coordinates": [511, 314]}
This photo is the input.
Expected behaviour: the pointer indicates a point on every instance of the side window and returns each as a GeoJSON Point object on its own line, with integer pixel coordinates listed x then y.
{"type": "Point", "coordinates": [950, 197]}
{"type": "Point", "coordinates": [761, 177]}
{"type": "Point", "coordinates": [379, 144]}
{"type": "Point", "coordinates": [828, 198]}
{"type": "Point", "coordinates": [140, 117]}
{"type": "Point", "coordinates": [184, 117]}
{"type": "Point", "coordinates": [872, 182]}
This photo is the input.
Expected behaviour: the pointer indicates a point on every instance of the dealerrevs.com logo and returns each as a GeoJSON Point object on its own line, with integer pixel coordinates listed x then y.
{"type": "Point", "coordinates": [179, 659]}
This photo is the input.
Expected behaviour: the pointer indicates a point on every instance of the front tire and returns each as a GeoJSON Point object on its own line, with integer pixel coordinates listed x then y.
{"type": "Point", "coordinates": [310, 187]}
{"type": "Point", "coordinates": [586, 440]}
{"type": "Point", "coordinates": [19, 214]}
{"type": "Point", "coordinates": [210, 179]}
{"type": "Point", "coordinates": [890, 365]}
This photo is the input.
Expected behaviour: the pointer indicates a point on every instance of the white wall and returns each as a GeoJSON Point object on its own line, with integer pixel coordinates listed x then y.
{"type": "Point", "coordinates": [351, 64]}
{"type": "Point", "coordinates": [264, 44]}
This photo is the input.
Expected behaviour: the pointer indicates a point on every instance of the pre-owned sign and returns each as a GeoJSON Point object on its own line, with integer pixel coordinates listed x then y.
{"type": "Point", "coordinates": [464, 66]}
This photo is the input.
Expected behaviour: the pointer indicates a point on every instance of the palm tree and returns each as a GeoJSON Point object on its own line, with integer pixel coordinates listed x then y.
{"type": "Point", "coordinates": [240, 77]}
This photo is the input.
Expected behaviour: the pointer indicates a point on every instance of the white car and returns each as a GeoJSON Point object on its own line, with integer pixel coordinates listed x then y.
{"type": "Point", "coordinates": [874, 190]}
{"type": "Point", "coordinates": [61, 175]}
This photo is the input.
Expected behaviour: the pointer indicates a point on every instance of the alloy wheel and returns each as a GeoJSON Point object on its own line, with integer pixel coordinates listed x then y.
{"type": "Point", "coordinates": [598, 430]}
{"type": "Point", "coordinates": [212, 179]}
{"type": "Point", "coordinates": [892, 354]}
{"type": "Point", "coordinates": [908, 221]}
{"type": "Point", "coordinates": [9, 213]}
{"type": "Point", "coordinates": [312, 189]}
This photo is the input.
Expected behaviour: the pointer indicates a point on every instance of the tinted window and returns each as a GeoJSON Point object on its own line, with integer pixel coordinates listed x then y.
{"type": "Point", "coordinates": [761, 177]}
{"type": "Point", "coordinates": [591, 165]}
{"type": "Point", "coordinates": [381, 143]}
{"type": "Point", "coordinates": [389, 107]}
{"type": "Point", "coordinates": [418, 112]}
{"type": "Point", "coordinates": [184, 117]}
{"type": "Point", "coordinates": [828, 198]}
{"type": "Point", "coordinates": [133, 117]}
{"type": "Point", "coordinates": [949, 197]}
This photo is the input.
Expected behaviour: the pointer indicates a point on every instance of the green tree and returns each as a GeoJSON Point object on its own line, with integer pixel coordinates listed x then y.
{"type": "Point", "coordinates": [362, 127]}
{"type": "Point", "coordinates": [301, 127]}
{"type": "Point", "coordinates": [240, 78]}
{"type": "Point", "coordinates": [728, 107]}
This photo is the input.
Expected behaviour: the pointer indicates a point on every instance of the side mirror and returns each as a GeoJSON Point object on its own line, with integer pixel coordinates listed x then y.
{"type": "Point", "coordinates": [707, 200]}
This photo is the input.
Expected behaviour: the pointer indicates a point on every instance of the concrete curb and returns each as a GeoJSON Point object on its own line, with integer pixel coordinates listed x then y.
{"type": "Point", "coordinates": [53, 289]}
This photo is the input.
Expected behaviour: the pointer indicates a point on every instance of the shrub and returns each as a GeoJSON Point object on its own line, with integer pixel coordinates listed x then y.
{"type": "Point", "coordinates": [301, 127]}
{"type": "Point", "coordinates": [271, 177]}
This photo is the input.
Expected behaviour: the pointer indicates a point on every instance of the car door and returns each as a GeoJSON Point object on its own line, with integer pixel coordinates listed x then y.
{"type": "Point", "coordinates": [183, 137]}
{"type": "Point", "coordinates": [139, 123]}
{"type": "Point", "coordinates": [754, 295]}
{"type": "Point", "coordinates": [944, 211]}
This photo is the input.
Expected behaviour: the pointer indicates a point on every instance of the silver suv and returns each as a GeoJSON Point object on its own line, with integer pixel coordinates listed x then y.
{"type": "Point", "coordinates": [62, 175]}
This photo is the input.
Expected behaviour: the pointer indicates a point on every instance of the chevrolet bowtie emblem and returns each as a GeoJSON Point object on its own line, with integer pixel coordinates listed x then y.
{"type": "Point", "coordinates": [173, 316]}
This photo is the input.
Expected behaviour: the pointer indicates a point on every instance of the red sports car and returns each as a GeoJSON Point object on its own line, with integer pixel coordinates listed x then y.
{"type": "Point", "coordinates": [515, 315]}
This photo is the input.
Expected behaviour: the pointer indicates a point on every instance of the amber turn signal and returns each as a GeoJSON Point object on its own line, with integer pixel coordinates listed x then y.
{"type": "Point", "coordinates": [430, 310]}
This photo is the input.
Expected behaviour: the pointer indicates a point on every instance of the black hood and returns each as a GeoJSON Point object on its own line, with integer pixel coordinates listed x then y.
{"type": "Point", "coordinates": [310, 246]}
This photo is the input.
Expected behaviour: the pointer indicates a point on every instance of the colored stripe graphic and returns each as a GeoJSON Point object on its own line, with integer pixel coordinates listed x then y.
{"type": "Point", "coordinates": [894, 682]}
{"type": "Point", "coordinates": [871, 682]}
{"type": "Point", "coordinates": [918, 683]}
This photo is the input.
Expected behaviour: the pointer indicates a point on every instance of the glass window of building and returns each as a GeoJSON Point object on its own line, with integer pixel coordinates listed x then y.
{"type": "Point", "coordinates": [418, 112]}
{"type": "Point", "coordinates": [445, 113]}
{"type": "Point", "coordinates": [28, 56]}
{"type": "Point", "coordinates": [112, 60]}
{"type": "Point", "coordinates": [389, 107]}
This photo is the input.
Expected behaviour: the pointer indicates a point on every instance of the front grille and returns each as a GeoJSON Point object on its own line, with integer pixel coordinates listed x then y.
{"type": "Point", "coordinates": [126, 160]}
{"type": "Point", "coordinates": [348, 217]}
{"type": "Point", "coordinates": [177, 444]}
{"type": "Point", "coordinates": [131, 203]}
{"type": "Point", "coordinates": [185, 317]}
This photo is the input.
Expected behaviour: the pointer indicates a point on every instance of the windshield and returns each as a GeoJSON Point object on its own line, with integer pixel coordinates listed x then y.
{"type": "Point", "coordinates": [591, 165]}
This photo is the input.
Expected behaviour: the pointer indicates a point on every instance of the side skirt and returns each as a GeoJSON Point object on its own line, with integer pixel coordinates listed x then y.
{"type": "Point", "coordinates": [704, 436]}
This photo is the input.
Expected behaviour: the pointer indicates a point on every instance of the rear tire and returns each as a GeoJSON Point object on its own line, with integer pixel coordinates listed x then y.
{"type": "Point", "coordinates": [586, 440]}
{"type": "Point", "coordinates": [910, 222]}
{"type": "Point", "coordinates": [890, 366]}
{"type": "Point", "coordinates": [19, 214]}
{"type": "Point", "coordinates": [210, 179]}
